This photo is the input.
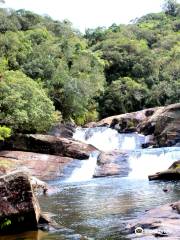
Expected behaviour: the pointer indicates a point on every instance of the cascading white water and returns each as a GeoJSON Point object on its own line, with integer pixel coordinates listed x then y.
{"type": "Point", "coordinates": [143, 162]}
{"type": "Point", "coordinates": [150, 161]}
{"type": "Point", "coordinates": [107, 139]}
{"type": "Point", "coordinates": [86, 170]}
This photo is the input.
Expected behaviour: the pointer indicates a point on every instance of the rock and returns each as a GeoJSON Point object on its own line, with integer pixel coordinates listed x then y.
{"type": "Point", "coordinates": [164, 124]}
{"type": "Point", "coordinates": [43, 166]}
{"type": "Point", "coordinates": [112, 163]}
{"type": "Point", "coordinates": [50, 145]}
{"type": "Point", "coordinates": [160, 122]}
{"type": "Point", "coordinates": [38, 185]}
{"type": "Point", "coordinates": [175, 165]}
{"type": "Point", "coordinates": [173, 173]}
{"type": "Point", "coordinates": [159, 222]}
{"type": "Point", "coordinates": [63, 130]}
{"type": "Point", "coordinates": [90, 125]}
{"type": "Point", "coordinates": [19, 208]}
{"type": "Point", "coordinates": [166, 175]}
{"type": "Point", "coordinates": [46, 223]}
{"type": "Point", "coordinates": [133, 119]}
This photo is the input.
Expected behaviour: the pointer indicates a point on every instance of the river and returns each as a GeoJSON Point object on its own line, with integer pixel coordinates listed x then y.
{"type": "Point", "coordinates": [99, 207]}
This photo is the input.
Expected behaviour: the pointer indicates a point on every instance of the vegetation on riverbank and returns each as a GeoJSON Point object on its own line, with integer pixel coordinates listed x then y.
{"type": "Point", "coordinates": [48, 70]}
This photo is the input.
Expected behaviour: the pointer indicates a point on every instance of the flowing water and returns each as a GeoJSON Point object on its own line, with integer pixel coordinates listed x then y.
{"type": "Point", "coordinates": [99, 208]}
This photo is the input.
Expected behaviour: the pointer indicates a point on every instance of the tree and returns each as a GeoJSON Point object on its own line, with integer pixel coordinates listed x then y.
{"type": "Point", "coordinates": [24, 105]}
{"type": "Point", "coordinates": [74, 87]}
{"type": "Point", "coordinates": [123, 95]}
{"type": "Point", "coordinates": [170, 7]}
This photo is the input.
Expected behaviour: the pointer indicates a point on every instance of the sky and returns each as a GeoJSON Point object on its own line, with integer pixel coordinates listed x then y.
{"type": "Point", "coordinates": [89, 13]}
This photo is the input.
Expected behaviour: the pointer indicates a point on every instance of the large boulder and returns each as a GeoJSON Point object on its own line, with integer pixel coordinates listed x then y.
{"type": "Point", "coordinates": [161, 123]}
{"type": "Point", "coordinates": [44, 166]}
{"type": "Point", "coordinates": [172, 173]}
{"type": "Point", "coordinates": [164, 124]}
{"type": "Point", "coordinates": [50, 145]}
{"type": "Point", "coordinates": [159, 222]}
{"type": "Point", "coordinates": [111, 164]}
{"type": "Point", "coordinates": [63, 130]}
{"type": "Point", "coordinates": [19, 208]}
{"type": "Point", "coordinates": [127, 119]}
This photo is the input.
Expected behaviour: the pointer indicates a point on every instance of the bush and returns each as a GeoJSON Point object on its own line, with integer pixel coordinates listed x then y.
{"type": "Point", "coordinates": [5, 132]}
{"type": "Point", "coordinates": [25, 106]}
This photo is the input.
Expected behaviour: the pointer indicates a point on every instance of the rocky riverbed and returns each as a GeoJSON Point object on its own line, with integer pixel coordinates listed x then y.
{"type": "Point", "coordinates": [54, 157]}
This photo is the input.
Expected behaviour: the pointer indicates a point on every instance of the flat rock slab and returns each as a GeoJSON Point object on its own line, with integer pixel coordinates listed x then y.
{"type": "Point", "coordinates": [19, 208]}
{"type": "Point", "coordinates": [50, 145]}
{"type": "Point", "coordinates": [159, 222]}
{"type": "Point", "coordinates": [44, 166]}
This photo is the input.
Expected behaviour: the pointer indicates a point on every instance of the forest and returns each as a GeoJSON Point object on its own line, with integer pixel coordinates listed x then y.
{"type": "Point", "coordinates": [51, 72]}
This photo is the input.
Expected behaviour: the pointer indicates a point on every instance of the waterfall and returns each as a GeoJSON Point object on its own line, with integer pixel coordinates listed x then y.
{"type": "Point", "coordinates": [142, 162]}
{"type": "Point", "coordinates": [86, 170]}
{"type": "Point", "coordinates": [107, 139]}
{"type": "Point", "coordinates": [150, 161]}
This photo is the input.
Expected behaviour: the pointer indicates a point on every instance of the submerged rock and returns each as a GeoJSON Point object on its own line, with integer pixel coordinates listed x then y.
{"type": "Point", "coordinates": [159, 222]}
{"type": "Point", "coordinates": [50, 145]}
{"type": "Point", "coordinates": [19, 208]}
{"type": "Point", "coordinates": [173, 173]}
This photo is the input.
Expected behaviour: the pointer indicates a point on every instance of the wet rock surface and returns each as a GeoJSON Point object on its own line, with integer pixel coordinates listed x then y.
{"type": "Point", "coordinates": [49, 145]}
{"type": "Point", "coordinates": [159, 222]}
{"type": "Point", "coordinates": [44, 166]}
{"type": "Point", "coordinates": [112, 163]}
{"type": "Point", "coordinates": [172, 173]}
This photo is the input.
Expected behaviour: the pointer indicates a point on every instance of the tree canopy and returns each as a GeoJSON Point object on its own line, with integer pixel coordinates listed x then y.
{"type": "Point", "coordinates": [25, 106]}
{"type": "Point", "coordinates": [48, 66]}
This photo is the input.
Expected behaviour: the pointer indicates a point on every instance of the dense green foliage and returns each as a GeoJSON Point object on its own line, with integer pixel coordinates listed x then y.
{"type": "Point", "coordinates": [5, 132]}
{"type": "Point", "coordinates": [24, 104]}
{"type": "Point", "coordinates": [142, 61]}
{"type": "Point", "coordinates": [107, 71]}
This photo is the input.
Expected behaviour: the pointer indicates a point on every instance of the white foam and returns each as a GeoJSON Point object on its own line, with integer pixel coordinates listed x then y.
{"type": "Point", "coordinates": [107, 139]}
{"type": "Point", "coordinates": [148, 162]}
{"type": "Point", "coordinates": [86, 170]}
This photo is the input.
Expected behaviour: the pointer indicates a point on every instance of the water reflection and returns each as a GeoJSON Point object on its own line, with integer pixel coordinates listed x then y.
{"type": "Point", "coordinates": [34, 235]}
{"type": "Point", "coordinates": [99, 208]}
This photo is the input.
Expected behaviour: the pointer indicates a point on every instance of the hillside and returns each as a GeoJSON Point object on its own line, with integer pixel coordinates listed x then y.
{"type": "Point", "coordinates": [50, 71]}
